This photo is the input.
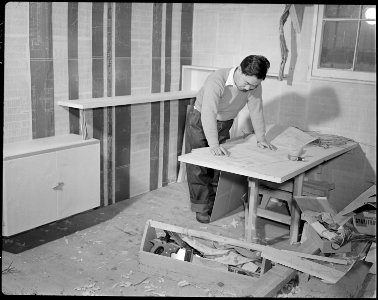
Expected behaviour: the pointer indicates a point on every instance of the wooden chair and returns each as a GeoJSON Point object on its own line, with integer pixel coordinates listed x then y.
{"type": "Point", "coordinates": [284, 192]}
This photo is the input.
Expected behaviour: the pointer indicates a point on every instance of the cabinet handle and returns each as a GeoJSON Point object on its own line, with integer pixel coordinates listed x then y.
{"type": "Point", "coordinates": [59, 186]}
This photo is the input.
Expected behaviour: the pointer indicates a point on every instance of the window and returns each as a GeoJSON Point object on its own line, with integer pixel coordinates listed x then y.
{"type": "Point", "coordinates": [345, 42]}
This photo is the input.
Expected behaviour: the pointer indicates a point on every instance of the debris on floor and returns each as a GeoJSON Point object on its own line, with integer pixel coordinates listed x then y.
{"type": "Point", "coordinates": [207, 253]}
{"type": "Point", "coordinates": [249, 260]}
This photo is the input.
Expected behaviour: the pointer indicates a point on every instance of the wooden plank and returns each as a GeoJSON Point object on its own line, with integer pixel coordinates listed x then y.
{"type": "Point", "coordinates": [264, 201]}
{"type": "Point", "coordinates": [287, 196]}
{"type": "Point", "coordinates": [318, 257]}
{"type": "Point", "coordinates": [231, 187]}
{"type": "Point", "coordinates": [329, 274]}
{"type": "Point", "coordinates": [253, 195]}
{"type": "Point", "coordinates": [310, 186]}
{"type": "Point", "coordinates": [347, 287]}
{"type": "Point", "coordinates": [206, 235]}
{"type": "Point", "coordinates": [127, 99]}
{"type": "Point", "coordinates": [316, 204]}
{"type": "Point", "coordinates": [294, 209]}
{"type": "Point", "coordinates": [272, 215]}
{"type": "Point", "coordinates": [194, 273]}
{"type": "Point", "coordinates": [181, 177]}
{"type": "Point", "coordinates": [279, 275]}
{"type": "Point", "coordinates": [352, 282]}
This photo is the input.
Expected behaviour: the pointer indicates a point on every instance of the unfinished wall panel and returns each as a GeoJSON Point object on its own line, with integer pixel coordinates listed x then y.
{"type": "Point", "coordinates": [41, 69]}
{"type": "Point", "coordinates": [60, 57]}
{"type": "Point", "coordinates": [17, 120]}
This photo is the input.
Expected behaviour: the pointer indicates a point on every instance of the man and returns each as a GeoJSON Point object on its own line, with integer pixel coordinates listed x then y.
{"type": "Point", "coordinates": [224, 93]}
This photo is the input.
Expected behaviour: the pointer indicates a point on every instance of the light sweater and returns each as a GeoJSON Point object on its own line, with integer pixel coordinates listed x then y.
{"type": "Point", "coordinates": [220, 99]}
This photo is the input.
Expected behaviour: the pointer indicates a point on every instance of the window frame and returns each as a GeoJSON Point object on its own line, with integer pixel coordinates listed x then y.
{"type": "Point", "coordinates": [328, 73]}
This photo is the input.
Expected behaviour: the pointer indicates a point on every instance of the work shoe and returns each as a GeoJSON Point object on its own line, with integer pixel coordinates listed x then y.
{"type": "Point", "coordinates": [203, 217]}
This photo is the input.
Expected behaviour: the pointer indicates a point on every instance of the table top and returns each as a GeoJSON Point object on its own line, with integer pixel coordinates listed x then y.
{"type": "Point", "coordinates": [249, 160]}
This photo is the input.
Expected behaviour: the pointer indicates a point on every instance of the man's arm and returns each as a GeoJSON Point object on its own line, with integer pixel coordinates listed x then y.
{"type": "Point", "coordinates": [209, 111]}
{"type": "Point", "coordinates": [255, 107]}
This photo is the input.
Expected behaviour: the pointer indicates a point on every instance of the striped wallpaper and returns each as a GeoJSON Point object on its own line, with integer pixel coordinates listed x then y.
{"type": "Point", "coordinates": [74, 50]}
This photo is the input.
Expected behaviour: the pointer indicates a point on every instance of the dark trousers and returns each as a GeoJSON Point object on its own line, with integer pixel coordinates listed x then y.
{"type": "Point", "coordinates": [202, 182]}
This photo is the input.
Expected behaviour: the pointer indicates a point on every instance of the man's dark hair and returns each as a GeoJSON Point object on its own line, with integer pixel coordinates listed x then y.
{"type": "Point", "coordinates": [255, 65]}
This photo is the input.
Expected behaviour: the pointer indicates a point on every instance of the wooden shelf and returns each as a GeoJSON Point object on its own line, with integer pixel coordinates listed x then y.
{"type": "Point", "coordinates": [125, 100]}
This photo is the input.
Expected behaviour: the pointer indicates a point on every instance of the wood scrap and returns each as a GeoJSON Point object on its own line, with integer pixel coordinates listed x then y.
{"type": "Point", "coordinates": [242, 271]}
{"type": "Point", "coordinates": [205, 250]}
{"type": "Point", "coordinates": [208, 263]}
{"type": "Point", "coordinates": [250, 266]}
{"type": "Point", "coordinates": [232, 259]}
{"type": "Point", "coordinates": [371, 257]}
{"type": "Point", "coordinates": [318, 257]}
{"type": "Point", "coordinates": [317, 204]}
{"type": "Point", "coordinates": [315, 269]}
{"type": "Point", "coordinates": [205, 235]}
{"type": "Point", "coordinates": [255, 255]}
{"type": "Point", "coordinates": [348, 286]}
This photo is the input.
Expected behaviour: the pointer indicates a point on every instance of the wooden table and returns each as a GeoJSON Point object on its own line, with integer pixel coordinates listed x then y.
{"type": "Point", "coordinates": [263, 164]}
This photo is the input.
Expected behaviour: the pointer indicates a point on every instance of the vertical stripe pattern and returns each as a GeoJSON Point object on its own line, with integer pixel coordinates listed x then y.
{"type": "Point", "coordinates": [98, 83]}
{"type": "Point", "coordinates": [108, 111]}
{"type": "Point", "coordinates": [185, 59]}
{"type": "Point", "coordinates": [155, 106]}
{"type": "Point", "coordinates": [186, 36]}
{"type": "Point", "coordinates": [73, 68]}
{"type": "Point", "coordinates": [78, 50]}
{"type": "Point", "coordinates": [167, 88]}
{"type": "Point", "coordinates": [122, 87]}
{"type": "Point", "coordinates": [41, 69]}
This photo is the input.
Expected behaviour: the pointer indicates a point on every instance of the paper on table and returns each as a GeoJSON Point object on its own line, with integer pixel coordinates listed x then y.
{"type": "Point", "coordinates": [243, 155]}
{"type": "Point", "coordinates": [291, 138]}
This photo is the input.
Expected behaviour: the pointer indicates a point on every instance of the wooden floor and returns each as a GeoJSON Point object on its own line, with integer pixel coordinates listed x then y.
{"type": "Point", "coordinates": [95, 253]}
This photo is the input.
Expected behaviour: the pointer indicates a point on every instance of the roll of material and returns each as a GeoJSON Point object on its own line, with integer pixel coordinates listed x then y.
{"type": "Point", "coordinates": [295, 158]}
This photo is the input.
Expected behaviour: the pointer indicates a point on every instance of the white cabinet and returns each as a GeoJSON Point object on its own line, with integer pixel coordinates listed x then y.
{"type": "Point", "coordinates": [48, 179]}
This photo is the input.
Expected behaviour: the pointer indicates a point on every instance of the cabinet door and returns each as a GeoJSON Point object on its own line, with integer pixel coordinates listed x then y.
{"type": "Point", "coordinates": [79, 172]}
{"type": "Point", "coordinates": [29, 198]}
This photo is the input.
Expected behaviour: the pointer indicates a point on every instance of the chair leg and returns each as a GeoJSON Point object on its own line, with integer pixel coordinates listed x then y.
{"type": "Point", "coordinates": [264, 201]}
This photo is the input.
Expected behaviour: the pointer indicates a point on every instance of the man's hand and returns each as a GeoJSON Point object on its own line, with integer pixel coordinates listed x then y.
{"type": "Point", "coordinates": [265, 144]}
{"type": "Point", "coordinates": [219, 150]}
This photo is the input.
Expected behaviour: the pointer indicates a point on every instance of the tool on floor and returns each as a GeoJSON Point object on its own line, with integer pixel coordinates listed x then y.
{"type": "Point", "coordinates": [163, 248]}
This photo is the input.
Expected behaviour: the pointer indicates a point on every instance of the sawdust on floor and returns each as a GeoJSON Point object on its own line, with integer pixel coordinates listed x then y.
{"type": "Point", "coordinates": [96, 252]}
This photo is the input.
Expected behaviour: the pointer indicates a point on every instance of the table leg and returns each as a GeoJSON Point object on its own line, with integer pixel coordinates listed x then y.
{"type": "Point", "coordinates": [295, 211]}
{"type": "Point", "coordinates": [253, 198]}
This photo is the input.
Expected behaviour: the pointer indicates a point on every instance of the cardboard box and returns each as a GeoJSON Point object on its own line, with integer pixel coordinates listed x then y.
{"type": "Point", "coordinates": [365, 222]}
{"type": "Point", "coordinates": [232, 283]}
{"type": "Point", "coordinates": [362, 205]}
